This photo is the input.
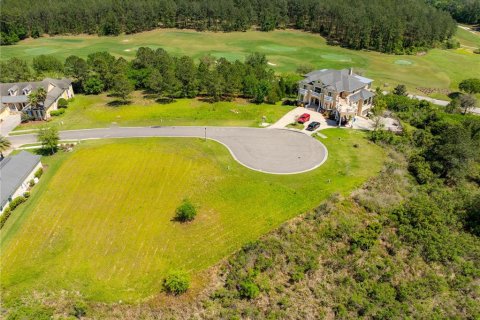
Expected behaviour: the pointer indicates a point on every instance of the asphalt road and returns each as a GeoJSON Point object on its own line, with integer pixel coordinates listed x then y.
{"type": "Point", "coordinates": [273, 151]}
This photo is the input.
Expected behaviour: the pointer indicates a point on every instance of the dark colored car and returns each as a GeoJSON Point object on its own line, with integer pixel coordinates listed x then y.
{"type": "Point", "coordinates": [303, 118]}
{"type": "Point", "coordinates": [313, 126]}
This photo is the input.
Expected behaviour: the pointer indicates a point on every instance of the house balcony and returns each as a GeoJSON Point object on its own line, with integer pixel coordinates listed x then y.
{"type": "Point", "coordinates": [302, 91]}
{"type": "Point", "coordinates": [316, 95]}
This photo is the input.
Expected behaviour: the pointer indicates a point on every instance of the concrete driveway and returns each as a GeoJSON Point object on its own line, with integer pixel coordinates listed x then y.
{"type": "Point", "coordinates": [360, 122]}
{"type": "Point", "coordinates": [9, 123]}
{"type": "Point", "coordinates": [270, 151]}
{"type": "Point", "coordinates": [293, 115]}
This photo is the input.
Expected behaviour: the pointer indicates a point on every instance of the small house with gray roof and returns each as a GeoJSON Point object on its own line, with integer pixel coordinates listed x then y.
{"type": "Point", "coordinates": [14, 97]}
{"type": "Point", "coordinates": [15, 174]}
{"type": "Point", "coordinates": [339, 91]}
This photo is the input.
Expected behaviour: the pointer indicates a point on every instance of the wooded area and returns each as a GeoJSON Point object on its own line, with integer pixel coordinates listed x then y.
{"type": "Point", "coordinates": [392, 26]}
{"type": "Point", "coordinates": [161, 74]}
{"type": "Point", "coordinates": [465, 11]}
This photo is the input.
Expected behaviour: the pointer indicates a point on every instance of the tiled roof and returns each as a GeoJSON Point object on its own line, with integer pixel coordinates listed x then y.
{"type": "Point", "coordinates": [338, 80]}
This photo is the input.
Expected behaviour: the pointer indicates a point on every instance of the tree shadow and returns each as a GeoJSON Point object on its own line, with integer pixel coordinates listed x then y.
{"type": "Point", "coordinates": [117, 103]}
{"type": "Point", "coordinates": [454, 95]}
{"type": "Point", "coordinates": [165, 100]}
{"type": "Point", "coordinates": [44, 151]}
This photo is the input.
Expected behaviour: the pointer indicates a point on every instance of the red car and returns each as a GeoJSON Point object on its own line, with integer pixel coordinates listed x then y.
{"type": "Point", "coordinates": [303, 118]}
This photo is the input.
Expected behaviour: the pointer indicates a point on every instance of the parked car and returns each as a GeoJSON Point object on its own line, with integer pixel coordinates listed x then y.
{"type": "Point", "coordinates": [313, 126]}
{"type": "Point", "coordinates": [303, 118]}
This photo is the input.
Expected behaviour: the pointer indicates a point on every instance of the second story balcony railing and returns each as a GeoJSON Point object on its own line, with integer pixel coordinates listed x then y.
{"type": "Point", "coordinates": [316, 94]}
{"type": "Point", "coordinates": [302, 91]}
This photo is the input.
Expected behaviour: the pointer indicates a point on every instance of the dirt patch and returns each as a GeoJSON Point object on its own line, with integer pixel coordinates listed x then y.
{"type": "Point", "coordinates": [429, 91]}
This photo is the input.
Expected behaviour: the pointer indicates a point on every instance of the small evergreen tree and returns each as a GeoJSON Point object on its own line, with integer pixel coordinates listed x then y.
{"type": "Point", "coordinates": [177, 282]}
{"type": "Point", "coordinates": [186, 211]}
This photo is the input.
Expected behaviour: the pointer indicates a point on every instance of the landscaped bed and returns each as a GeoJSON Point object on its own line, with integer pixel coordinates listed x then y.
{"type": "Point", "coordinates": [99, 225]}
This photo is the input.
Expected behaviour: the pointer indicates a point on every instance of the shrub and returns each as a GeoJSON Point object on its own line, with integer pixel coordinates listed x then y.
{"type": "Point", "coordinates": [56, 113]}
{"type": "Point", "coordinates": [26, 195]}
{"type": "Point", "coordinates": [248, 289]}
{"type": "Point", "coordinates": [177, 282]}
{"type": "Point", "coordinates": [31, 183]}
{"type": "Point", "coordinates": [62, 103]}
{"type": "Point", "coordinates": [25, 117]}
{"type": "Point", "coordinates": [79, 310]}
{"type": "Point", "coordinates": [16, 202]}
{"type": "Point", "coordinates": [39, 173]}
{"type": "Point", "coordinates": [365, 239]}
{"type": "Point", "coordinates": [186, 211]}
{"type": "Point", "coordinates": [400, 90]}
{"type": "Point", "coordinates": [5, 215]}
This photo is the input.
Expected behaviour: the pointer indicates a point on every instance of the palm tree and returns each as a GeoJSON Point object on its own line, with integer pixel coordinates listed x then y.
{"type": "Point", "coordinates": [37, 97]}
{"type": "Point", "coordinates": [41, 94]}
{"type": "Point", "coordinates": [33, 99]}
{"type": "Point", "coordinates": [4, 145]}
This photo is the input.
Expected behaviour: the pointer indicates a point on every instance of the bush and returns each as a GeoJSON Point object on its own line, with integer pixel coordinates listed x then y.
{"type": "Point", "coordinates": [79, 310]}
{"type": "Point", "coordinates": [31, 183]}
{"type": "Point", "coordinates": [16, 202]}
{"type": "Point", "coordinates": [186, 211]}
{"type": "Point", "coordinates": [177, 282]}
{"type": "Point", "coordinates": [62, 103]}
{"type": "Point", "coordinates": [5, 215]}
{"type": "Point", "coordinates": [39, 173]}
{"type": "Point", "coordinates": [58, 112]}
{"type": "Point", "coordinates": [248, 289]}
{"type": "Point", "coordinates": [25, 117]}
{"type": "Point", "coordinates": [26, 195]}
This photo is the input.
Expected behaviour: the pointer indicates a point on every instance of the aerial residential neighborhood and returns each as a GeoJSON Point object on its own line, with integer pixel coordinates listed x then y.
{"type": "Point", "coordinates": [200, 159]}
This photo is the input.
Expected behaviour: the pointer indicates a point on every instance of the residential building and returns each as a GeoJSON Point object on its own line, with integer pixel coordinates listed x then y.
{"type": "Point", "coordinates": [14, 96]}
{"type": "Point", "coordinates": [340, 91]}
{"type": "Point", "coordinates": [15, 174]}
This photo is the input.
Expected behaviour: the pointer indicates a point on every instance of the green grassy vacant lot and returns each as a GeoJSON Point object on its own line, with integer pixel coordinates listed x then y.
{"type": "Point", "coordinates": [94, 112]}
{"type": "Point", "coordinates": [285, 49]}
{"type": "Point", "coordinates": [100, 222]}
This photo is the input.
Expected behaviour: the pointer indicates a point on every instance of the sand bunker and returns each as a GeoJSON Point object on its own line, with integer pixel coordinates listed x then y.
{"type": "Point", "coordinates": [403, 62]}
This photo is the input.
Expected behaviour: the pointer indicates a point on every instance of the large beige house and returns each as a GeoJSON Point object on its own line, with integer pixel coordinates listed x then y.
{"type": "Point", "coordinates": [14, 97]}
{"type": "Point", "coordinates": [340, 91]}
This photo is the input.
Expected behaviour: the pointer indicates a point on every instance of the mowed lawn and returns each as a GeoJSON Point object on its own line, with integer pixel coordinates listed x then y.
{"type": "Point", "coordinates": [93, 111]}
{"type": "Point", "coordinates": [285, 50]}
{"type": "Point", "coordinates": [100, 221]}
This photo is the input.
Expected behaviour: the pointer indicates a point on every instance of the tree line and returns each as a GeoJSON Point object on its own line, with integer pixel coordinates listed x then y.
{"type": "Point", "coordinates": [465, 11]}
{"type": "Point", "coordinates": [393, 26]}
{"type": "Point", "coordinates": [159, 73]}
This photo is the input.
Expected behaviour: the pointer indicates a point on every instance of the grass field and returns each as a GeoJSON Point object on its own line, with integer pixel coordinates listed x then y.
{"type": "Point", "coordinates": [468, 38]}
{"type": "Point", "coordinates": [100, 221]}
{"type": "Point", "coordinates": [94, 112]}
{"type": "Point", "coordinates": [285, 49]}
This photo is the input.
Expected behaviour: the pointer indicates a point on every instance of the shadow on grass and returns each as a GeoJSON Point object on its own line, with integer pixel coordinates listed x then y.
{"type": "Point", "coordinates": [164, 100]}
{"type": "Point", "coordinates": [44, 151]}
{"type": "Point", "coordinates": [454, 95]}
{"type": "Point", "coordinates": [118, 103]}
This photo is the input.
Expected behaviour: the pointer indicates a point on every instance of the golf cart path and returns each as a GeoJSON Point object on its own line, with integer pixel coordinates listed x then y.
{"type": "Point", "coordinates": [272, 151]}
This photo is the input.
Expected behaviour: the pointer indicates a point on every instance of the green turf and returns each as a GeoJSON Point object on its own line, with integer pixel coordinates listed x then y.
{"type": "Point", "coordinates": [468, 38]}
{"type": "Point", "coordinates": [285, 49]}
{"type": "Point", "coordinates": [94, 112]}
{"type": "Point", "coordinates": [100, 220]}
